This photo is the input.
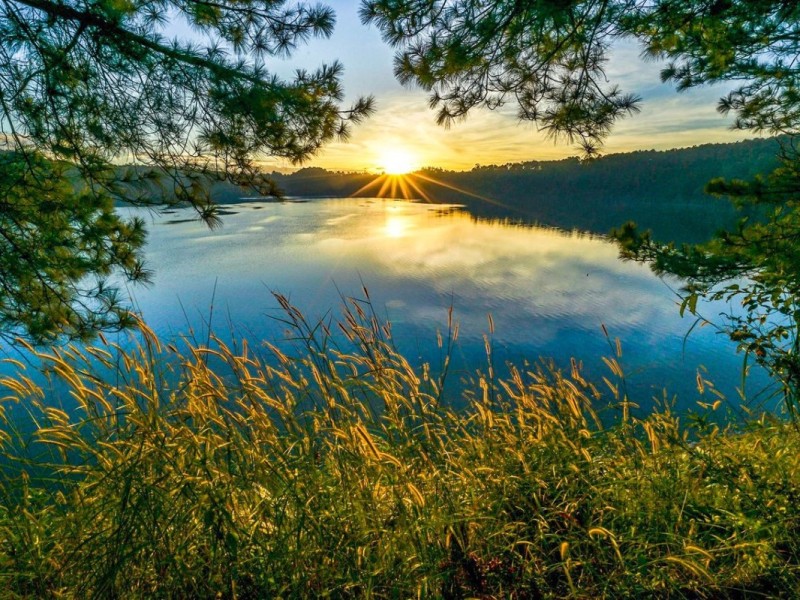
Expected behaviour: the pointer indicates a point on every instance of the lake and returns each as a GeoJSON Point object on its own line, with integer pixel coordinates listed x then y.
{"type": "Point", "coordinates": [549, 292]}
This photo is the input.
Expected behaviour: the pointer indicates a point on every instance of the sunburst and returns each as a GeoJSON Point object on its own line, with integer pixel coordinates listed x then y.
{"type": "Point", "coordinates": [397, 162]}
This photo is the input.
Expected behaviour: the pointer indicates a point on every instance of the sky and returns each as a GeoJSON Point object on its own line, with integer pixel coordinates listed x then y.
{"type": "Point", "coordinates": [403, 126]}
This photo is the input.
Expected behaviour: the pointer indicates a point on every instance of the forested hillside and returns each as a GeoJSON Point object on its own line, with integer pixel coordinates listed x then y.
{"type": "Point", "coordinates": [660, 190]}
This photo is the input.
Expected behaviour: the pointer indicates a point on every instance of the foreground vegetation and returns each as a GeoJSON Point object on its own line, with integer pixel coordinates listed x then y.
{"type": "Point", "coordinates": [337, 469]}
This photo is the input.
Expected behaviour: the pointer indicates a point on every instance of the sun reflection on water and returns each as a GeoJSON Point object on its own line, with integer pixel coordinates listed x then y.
{"type": "Point", "coordinates": [396, 225]}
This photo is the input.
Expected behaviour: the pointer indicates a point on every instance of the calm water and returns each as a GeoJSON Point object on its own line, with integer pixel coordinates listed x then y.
{"type": "Point", "coordinates": [548, 292]}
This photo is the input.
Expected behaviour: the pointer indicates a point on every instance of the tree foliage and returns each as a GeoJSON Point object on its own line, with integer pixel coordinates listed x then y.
{"type": "Point", "coordinates": [53, 238]}
{"type": "Point", "coordinates": [755, 268]}
{"type": "Point", "coordinates": [755, 43]}
{"type": "Point", "coordinates": [94, 83]}
{"type": "Point", "coordinates": [548, 56]}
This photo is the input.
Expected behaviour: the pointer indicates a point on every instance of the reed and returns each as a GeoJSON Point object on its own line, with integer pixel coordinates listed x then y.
{"type": "Point", "coordinates": [333, 467]}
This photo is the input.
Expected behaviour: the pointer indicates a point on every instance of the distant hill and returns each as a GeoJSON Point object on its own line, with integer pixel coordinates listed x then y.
{"type": "Point", "coordinates": [660, 190]}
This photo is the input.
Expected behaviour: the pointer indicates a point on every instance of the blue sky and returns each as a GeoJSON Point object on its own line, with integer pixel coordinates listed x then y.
{"type": "Point", "coordinates": [404, 124]}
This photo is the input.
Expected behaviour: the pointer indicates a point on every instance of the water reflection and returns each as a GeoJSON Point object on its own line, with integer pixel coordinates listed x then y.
{"type": "Point", "coordinates": [548, 291]}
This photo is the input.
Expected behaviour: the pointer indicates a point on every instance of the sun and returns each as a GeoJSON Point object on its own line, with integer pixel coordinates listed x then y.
{"type": "Point", "coordinates": [397, 162]}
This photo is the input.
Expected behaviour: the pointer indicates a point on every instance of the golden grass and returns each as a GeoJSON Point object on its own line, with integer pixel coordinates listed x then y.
{"type": "Point", "coordinates": [337, 470]}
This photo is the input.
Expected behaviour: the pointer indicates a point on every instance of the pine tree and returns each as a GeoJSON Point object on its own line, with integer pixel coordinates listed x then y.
{"type": "Point", "coordinates": [89, 85]}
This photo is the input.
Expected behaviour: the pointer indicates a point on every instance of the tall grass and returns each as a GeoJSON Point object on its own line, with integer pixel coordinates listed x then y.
{"type": "Point", "coordinates": [335, 469]}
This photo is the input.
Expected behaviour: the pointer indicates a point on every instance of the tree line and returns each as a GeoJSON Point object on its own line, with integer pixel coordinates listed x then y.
{"type": "Point", "coordinates": [663, 191]}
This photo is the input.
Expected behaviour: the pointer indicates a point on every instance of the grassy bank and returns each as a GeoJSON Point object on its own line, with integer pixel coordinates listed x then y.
{"type": "Point", "coordinates": [337, 470]}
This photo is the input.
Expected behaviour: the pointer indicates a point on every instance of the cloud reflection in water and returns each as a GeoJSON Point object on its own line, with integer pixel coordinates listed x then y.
{"type": "Point", "coordinates": [548, 291]}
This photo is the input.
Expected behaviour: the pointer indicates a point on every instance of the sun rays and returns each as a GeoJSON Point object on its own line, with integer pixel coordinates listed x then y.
{"type": "Point", "coordinates": [401, 187]}
{"type": "Point", "coordinates": [401, 177]}
{"type": "Point", "coordinates": [414, 186]}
